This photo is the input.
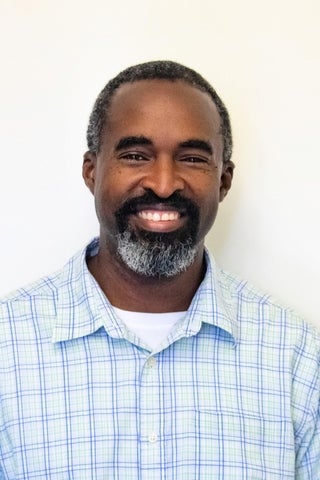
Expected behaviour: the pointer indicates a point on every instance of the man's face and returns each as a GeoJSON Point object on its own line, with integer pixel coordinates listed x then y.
{"type": "Point", "coordinates": [158, 177]}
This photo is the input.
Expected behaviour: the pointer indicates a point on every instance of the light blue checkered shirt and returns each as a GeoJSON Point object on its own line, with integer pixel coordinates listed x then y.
{"type": "Point", "coordinates": [232, 393]}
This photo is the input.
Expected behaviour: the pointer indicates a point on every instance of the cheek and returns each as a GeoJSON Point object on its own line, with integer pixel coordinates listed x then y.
{"type": "Point", "coordinates": [208, 204]}
{"type": "Point", "coordinates": [210, 207]}
{"type": "Point", "coordinates": [207, 189]}
{"type": "Point", "coordinates": [104, 197]}
{"type": "Point", "coordinates": [117, 182]}
{"type": "Point", "coordinates": [111, 190]}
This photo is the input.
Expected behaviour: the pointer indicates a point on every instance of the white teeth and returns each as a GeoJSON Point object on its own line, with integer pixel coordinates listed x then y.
{"type": "Point", "coordinates": [158, 216]}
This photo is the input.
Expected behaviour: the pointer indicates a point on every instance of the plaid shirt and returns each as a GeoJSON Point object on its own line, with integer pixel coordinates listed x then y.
{"type": "Point", "coordinates": [232, 393]}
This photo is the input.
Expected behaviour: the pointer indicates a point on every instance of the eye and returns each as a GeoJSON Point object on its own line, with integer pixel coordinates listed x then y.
{"type": "Point", "coordinates": [194, 159]}
{"type": "Point", "coordinates": [133, 156]}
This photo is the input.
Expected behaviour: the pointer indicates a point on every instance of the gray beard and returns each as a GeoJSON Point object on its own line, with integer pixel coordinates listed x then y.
{"type": "Point", "coordinates": [156, 259]}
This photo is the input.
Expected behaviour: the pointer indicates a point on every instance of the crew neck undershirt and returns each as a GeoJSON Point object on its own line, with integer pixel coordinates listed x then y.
{"type": "Point", "coordinates": [152, 328]}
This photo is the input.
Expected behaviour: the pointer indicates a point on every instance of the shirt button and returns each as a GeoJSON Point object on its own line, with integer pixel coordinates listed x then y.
{"type": "Point", "coordinates": [153, 437]}
{"type": "Point", "coordinates": [151, 362]}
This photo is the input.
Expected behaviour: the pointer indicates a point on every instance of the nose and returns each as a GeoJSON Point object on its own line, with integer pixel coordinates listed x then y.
{"type": "Point", "coordinates": [163, 177]}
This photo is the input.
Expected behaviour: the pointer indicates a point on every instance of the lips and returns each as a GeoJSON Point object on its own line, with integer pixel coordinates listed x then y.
{"type": "Point", "coordinates": [175, 216]}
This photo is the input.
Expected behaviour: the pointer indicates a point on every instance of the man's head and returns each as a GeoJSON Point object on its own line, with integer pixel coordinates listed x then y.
{"type": "Point", "coordinates": [156, 70]}
{"type": "Point", "coordinates": [158, 166]}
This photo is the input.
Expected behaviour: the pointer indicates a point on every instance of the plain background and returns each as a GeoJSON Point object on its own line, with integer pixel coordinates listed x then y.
{"type": "Point", "coordinates": [262, 58]}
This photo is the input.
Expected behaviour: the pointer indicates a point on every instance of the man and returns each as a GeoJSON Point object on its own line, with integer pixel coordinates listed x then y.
{"type": "Point", "coordinates": [141, 359]}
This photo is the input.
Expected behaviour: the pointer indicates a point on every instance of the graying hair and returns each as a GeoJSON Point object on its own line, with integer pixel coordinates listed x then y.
{"type": "Point", "coordinates": [156, 70]}
{"type": "Point", "coordinates": [157, 260]}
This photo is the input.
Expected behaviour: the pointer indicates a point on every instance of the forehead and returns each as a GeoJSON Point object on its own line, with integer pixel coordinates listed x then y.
{"type": "Point", "coordinates": [169, 105]}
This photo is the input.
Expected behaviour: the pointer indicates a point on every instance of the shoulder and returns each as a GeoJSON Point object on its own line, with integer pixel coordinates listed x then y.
{"type": "Point", "coordinates": [259, 313]}
{"type": "Point", "coordinates": [45, 286]}
{"type": "Point", "coordinates": [38, 299]}
{"type": "Point", "coordinates": [278, 335]}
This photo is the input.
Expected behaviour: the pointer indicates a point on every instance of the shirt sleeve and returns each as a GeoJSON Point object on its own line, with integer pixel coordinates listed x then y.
{"type": "Point", "coordinates": [308, 455]}
{"type": "Point", "coordinates": [308, 434]}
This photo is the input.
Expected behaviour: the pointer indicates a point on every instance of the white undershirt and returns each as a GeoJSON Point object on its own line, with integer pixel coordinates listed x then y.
{"type": "Point", "coordinates": [150, 327]}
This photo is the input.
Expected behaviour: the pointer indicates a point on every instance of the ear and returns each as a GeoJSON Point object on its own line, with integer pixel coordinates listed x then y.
{"type": "Point", "coordinates": [89, 169]}
{"type": "Point", "coordinates": [226, 178]}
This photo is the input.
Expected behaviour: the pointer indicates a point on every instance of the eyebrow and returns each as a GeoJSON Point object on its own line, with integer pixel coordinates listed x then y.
{"type": "Point", "coordinates": [198, 144]}
{"type": "Point", "coordinates": [132, 141]}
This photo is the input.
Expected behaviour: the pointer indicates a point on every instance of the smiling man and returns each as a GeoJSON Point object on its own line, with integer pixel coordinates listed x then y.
{"type": "Point", "coordinates": [141, 359]}
{"type": "Point", "coordinates": [158, 176]}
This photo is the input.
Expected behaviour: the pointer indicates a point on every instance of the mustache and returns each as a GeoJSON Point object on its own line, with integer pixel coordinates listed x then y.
{"type": "Point", "coordinates": [176, 201]}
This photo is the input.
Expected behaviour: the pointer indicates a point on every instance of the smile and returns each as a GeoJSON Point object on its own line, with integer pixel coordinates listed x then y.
{"type": "Point", "coordinates": [157, 220]}
{"type": "Point", "coordinates": [158, 216]}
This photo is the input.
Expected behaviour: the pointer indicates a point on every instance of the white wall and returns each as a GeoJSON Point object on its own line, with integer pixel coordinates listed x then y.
{"type": "Point", "coordinates": [262, 57]}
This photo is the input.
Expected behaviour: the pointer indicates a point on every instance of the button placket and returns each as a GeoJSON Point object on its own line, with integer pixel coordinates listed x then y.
{"type": "Point", "coordinates": [150, 416]}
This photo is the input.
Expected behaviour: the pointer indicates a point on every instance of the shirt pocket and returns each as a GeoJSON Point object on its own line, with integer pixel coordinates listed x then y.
{"type": "Point", "coordinates": [246, 446]}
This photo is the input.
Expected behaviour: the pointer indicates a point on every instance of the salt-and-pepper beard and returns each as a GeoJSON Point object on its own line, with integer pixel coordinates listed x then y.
{"type": "Point", "coordinates": [155, 254]}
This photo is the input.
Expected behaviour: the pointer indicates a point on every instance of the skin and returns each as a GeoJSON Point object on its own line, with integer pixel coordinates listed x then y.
{"type": "Point", "coordinates": [164, 118]}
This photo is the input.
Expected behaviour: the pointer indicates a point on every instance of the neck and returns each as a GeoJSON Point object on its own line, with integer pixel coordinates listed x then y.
{"type": "Point", "coordinates": [130, 291]}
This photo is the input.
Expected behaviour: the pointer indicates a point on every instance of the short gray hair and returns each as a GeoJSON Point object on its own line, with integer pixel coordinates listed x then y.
{"type": "Point", "coordinates": [155, 70]}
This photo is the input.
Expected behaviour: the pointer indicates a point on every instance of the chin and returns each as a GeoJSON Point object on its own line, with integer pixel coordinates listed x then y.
{"type": "Point", "coordinates": [156, 255]}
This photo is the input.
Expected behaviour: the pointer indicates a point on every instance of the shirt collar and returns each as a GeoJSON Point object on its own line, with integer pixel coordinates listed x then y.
{"type": "Point", "coordinates": [81, 306]}
{"type": "Point", "coordinates": [78, 313]}
{"type": "Point", "coordinates": [213, 302]}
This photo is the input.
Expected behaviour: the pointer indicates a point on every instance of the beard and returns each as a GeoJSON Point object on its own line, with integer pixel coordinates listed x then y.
{"type": "Point", "coordinates": [154, 254]}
